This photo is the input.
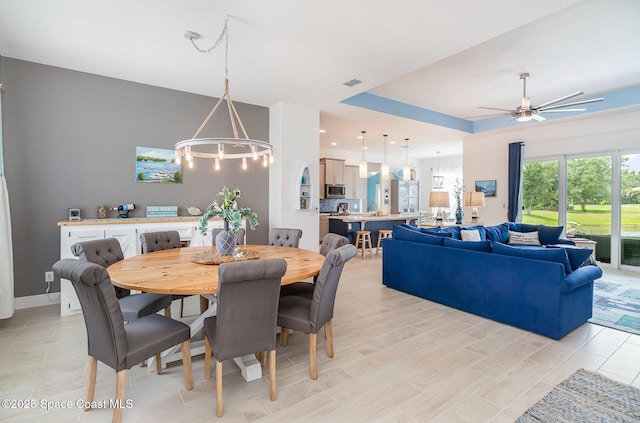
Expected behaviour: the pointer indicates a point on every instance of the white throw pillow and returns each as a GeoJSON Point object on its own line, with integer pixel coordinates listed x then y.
{"type": "Point", "coordinates": [524, 238]}
{"type": "Point", "coordinates": [470, 235]}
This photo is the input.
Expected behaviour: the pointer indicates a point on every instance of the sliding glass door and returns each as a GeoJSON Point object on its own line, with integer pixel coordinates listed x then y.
{"type": "Point", "coordinates": [595, 197]}
{"type": "Point", "coordinates": [630, 210]}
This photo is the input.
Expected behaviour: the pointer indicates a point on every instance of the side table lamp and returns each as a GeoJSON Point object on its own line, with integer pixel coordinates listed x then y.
{"type": "Point", "coordinates": [439, 199]}
{"type": "Point", "coordinates": [474, 199]}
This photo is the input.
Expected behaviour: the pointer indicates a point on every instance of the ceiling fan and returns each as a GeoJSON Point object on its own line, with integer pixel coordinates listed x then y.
{"type": "Point", "coordinates": [525, 112]}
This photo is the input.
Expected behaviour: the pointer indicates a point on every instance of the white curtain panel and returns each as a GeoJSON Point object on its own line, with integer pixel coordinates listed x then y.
{"type": "Point", "coordinates": [6, 253]}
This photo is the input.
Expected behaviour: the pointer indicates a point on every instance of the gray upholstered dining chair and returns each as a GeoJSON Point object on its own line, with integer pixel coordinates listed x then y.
{"type": "Point", "coordinates": [330, 242]}
{"type": "Point", "coordinates": [239, 236]}
{"type": "Point", "coordinates": [309, 314]}
{"type": "Point", "coordinates": [105, 252]}
{"type": "Point", "coordinates": [163, 240]}
{"type": "Point", "coordinates": [285, 237]}
{"type": "Point", "coordinates": [110, 341]}
{"type": "Point", "coordinates": [245, 322]}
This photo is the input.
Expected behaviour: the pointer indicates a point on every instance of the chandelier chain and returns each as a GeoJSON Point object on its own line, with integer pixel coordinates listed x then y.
{"type": "Point", "coordinates": [224, 34]}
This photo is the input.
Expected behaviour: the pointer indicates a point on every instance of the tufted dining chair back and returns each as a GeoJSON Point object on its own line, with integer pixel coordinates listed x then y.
{"type": "Point", "coordinates": [156, 241]}
{"type": "Point", "coordinates": [285, 237]}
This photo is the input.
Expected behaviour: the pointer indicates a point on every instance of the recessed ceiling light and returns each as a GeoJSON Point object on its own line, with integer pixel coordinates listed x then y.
{"type": "Point", "coordinates": [334, 143]}
{"type": "Point", "coordinates": [392, 142]}
{"type": "Point", "coordinates": [322, 131]}
{"type": "Point", "coordinates": [364, 148]}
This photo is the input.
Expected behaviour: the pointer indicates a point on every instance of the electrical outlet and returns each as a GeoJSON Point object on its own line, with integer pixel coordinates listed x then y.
{"type": "Point", "coordinates": [48, 276]}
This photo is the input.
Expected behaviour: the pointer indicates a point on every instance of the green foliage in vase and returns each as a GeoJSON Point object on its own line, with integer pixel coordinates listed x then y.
{"type": "Point", "coordinates": [226, 207]}
{"type": "Point", "coordinates": [458, 191]}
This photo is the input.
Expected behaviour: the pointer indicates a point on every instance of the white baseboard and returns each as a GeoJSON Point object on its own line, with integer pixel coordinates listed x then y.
{"type": "Point", "coordinates": [36, 300]}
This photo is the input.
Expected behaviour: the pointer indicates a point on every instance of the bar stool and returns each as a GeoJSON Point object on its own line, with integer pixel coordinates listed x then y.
{"type": "Point", "coordinates": [362, 238]}
{"type": "Point", "coordinates": [382, 233]}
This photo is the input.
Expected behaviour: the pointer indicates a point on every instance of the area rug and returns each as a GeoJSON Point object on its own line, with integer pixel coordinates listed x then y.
{"type": "Point", "coordinates": [586, 397]}
{"type": "Point", "coordinates": [616, 304]}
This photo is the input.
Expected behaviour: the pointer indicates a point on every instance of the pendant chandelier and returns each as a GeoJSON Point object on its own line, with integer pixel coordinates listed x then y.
{"type": "Point", "coordinates": [363, 162]}
{"type": "Point", "coordinates": [406, 169]}
{"type": "Point", "coordinates": [222, 148]}
{"type": "Point", "coordinates": [384, 167]}
{"type": "Point", "coordinates": [438, 181]}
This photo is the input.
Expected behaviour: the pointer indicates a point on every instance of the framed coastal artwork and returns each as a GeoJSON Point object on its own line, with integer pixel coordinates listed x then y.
{"type": "Point", "coordinates": [157, 165]}
{"type": "Point", "coordinates": [488, 187]}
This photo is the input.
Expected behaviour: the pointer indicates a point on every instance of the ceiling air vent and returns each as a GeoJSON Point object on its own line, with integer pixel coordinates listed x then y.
{"type": "Point", "coordinates": [352, 82]}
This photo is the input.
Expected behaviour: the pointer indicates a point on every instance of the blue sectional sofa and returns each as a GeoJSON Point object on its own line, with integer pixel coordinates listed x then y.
{"type": "Point", "coordinates": [536, 288]}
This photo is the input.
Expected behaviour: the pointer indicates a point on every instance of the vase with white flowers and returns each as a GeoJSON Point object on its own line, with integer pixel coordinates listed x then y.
{"type": "Point", "coordinates": [226, 207]}
{"type": "Point", "coordinates": [458, 191]}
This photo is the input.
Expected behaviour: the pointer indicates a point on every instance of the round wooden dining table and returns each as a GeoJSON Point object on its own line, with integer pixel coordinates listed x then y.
{"type": "Point", "coordinates": [174, 272]}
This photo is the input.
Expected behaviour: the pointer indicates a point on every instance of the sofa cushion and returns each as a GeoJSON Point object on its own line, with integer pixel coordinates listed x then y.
{"type": "Point", "coordinates": [577, 256]}
{"type": "Point", "coordinates": [407, 226]}
{"type": "Point", "coordinates": [453, 230]}
{"type": "Point", "coordinates": [483, 246]}
{"type": "Point", "coordinates": [557, 255]}
{"type": "Point", "coordinates": [498, 233]}
{"type": "Point", "coordinates": [405, 234]}
{"type": "Point", "coordinates": [437, 232]}
{"type": "Point", "coordinates": [524, 238]}
{"type": "Point", "coordinates": [549, 234]}
{"type": "Point", "coordinates": [481, 230]}
{"type": "Point", "coordinates": [472, 235]}
{"type": "Point", "coordinates": [522, 227]}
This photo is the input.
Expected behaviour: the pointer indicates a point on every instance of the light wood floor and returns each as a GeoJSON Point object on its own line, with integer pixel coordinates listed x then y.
{"type": "Point", "coordinates": [398, 358]}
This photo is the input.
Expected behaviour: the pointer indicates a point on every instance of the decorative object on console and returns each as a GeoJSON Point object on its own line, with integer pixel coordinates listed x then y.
{"type": "Point", "coordinates": [238, 148]}
{"type": "Point", "coordinates": [194, 211]}
{"type": "Point", "coordinates": [124, 209]}
{"type": "Point", "coordinates": [439, 199]}
{"type": "Point", "coordinates": [458, 190]}
{"type": "Point", "coordinates": [226, 207]}
{"type": "Point", "coordinates": [102, 211]}
{"type": "Point", "coordinates": [74, 214]}
{"type": "Point", "coordinates": [474, 199]}
{"type": "Point", "coordinates": [363, 162]}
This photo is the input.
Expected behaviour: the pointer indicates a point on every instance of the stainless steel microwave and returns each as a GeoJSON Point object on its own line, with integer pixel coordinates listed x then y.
{"type": "Point", "coordinates": [335, 191]}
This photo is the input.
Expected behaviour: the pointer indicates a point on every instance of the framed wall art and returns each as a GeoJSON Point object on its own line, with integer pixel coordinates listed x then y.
{"type": "Point", "coordinates": [488, 187]}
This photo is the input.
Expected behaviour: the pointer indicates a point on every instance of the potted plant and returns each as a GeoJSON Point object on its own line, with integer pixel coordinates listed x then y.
{"type": "Point", "coordinates": [458, 190]}
{"type": "Point", "coordinates": [226, 207]}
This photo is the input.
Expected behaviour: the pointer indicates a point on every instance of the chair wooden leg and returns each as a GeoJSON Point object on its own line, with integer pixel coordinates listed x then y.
{"type": "Point", "coordinates": [272, 374]}
{"type": "Point", "coordinates": [158, 360]}
{"type": "Point", "coordinates": [167, 311]}
{"type": "Point", "coordinates": [121, 383]}
{"type": "Point", "coordinates": [207, 358]}
{"type": "Point", "coordinates": [328, 330]}
{"type": "Point", "coordinates": [91, 388]}
{"type": "Point", "coordinates": [284, 336]}
{"type": "Point", "coordinates": [186, 364]}
{"type": "Point", "coordinates": [262, 357]}
{"type": "Point", "coordinates": [219, 387]}
{"type": "Point", "coordinates": [313, 365]}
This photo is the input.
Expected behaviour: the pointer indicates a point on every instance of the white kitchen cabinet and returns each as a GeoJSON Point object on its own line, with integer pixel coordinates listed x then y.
{"type": "Point", "coordinates": [333, 171]}
{"type": "Point", "coordinates": [351, 178]}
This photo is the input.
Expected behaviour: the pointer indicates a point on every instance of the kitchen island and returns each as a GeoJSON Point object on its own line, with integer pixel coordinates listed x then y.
{"type": "Point", "coordinates": [348, 224]}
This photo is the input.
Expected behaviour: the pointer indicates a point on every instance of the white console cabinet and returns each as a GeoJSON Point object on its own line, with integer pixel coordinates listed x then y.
{"type": "Point", "coordinates": [127, 232]}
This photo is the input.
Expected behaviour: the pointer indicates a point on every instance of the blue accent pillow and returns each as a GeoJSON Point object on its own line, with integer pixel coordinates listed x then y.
{"type": "Point", "coordinates": [404, 234]}
{"type": "Point", "coordinates": [498, 233]}
{"type": "Point", "coordinates": [436, 231]}
{"type": "Point", "coordinates": [577, 256]}
{"type": "Point", "coordinates": [557, 255]}
{"type": "Point", "coordinates": [483, 246]}
{"type": "Point", "coordinates": [454, 231]}
{"type": "Point", "coordinates": [480, 228]}
{"type": "Point", "coordinates": [549, 234]}
{"type": "Point", "coordinates": [522, 227]}
{"type": "Point", "coordinates": [413, 228]}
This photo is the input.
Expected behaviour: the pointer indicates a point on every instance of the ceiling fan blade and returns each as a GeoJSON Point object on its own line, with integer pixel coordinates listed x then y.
{"type": "Point", "coordinates": [486, 116]}
{"type": "Point", "coordinates": [558, 100]}
{"type": "Point", "coordinates": [561, 110]}
{"type": "Point", "coordinates": [575, 103]}
{"type": "Point", "coordinates": [494, 108]}
{"type": "Point", "coordinates": [538, 117]}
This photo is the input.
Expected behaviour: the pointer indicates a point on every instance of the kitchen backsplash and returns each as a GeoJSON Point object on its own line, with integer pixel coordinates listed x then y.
{"type": "Point", "coordinates": [330, 205]}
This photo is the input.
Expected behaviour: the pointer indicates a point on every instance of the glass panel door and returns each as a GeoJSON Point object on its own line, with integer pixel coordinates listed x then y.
{"type": "Point", "coordinates": [540, 193]}
{"type": "Point", "coordinates": [589, 201]}
{"type": "Point", "coordinates": [630, 210]}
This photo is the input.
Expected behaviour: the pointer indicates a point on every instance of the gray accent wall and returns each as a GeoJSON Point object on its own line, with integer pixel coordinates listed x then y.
{"type": "Point", "coordinates": [70, 141]}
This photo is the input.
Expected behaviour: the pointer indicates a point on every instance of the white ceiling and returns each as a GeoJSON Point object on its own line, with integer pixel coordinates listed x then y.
{"type": "Point", "coordinates": [448, 57]}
